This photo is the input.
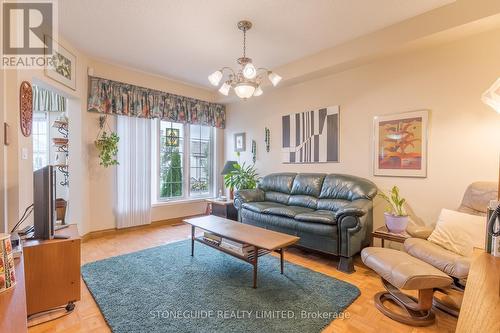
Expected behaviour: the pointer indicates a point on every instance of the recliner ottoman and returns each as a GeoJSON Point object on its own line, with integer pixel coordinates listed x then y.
{"type": "Point", "coordinates": [399, 270]}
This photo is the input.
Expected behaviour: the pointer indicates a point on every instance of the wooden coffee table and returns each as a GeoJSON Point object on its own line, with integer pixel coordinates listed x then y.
{"type": "Point", "coordinates": [264, 241]}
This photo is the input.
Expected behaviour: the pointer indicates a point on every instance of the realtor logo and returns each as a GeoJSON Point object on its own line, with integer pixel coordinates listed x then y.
{"type": "Point", "coordinates": [24, 26]}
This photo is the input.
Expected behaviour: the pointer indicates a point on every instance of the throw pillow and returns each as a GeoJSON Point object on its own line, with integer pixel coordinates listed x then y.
{"type": "Point", "coordinates": [459, 232]}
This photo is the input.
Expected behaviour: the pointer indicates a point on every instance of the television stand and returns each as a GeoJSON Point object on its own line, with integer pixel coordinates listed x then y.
{"type": "Point", "coordinates": [60, 226]}
{"type": "Point", "coordinates": [52, 270]}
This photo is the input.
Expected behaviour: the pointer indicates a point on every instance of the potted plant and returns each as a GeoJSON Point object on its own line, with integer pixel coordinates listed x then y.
{"type": "Point", "coordinates": [107, 145]}
{"type": "Point", "coordinates": [241, 177]}
{"type": "Point", "coordinates": [396, 218]}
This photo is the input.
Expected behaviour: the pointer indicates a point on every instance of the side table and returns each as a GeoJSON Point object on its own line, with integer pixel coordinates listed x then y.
{"type": "Point", "coordinates": [384, 235]}
{"type": "Point", "coordinates": [222, 208]}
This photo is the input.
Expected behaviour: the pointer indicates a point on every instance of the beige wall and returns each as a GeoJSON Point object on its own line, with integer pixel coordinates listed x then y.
{"type": "Point", "coordinates": [464, 135]}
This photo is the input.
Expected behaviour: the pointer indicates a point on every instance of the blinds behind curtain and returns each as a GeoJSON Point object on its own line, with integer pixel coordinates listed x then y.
{"type": "Point", "coordinates": [133, 181]}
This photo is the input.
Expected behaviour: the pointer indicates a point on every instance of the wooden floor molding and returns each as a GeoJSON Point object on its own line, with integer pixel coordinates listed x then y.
{"type": "Point", "coordinates": [361, 316]}
{"type": "Point", "coordinates": [111, 231]}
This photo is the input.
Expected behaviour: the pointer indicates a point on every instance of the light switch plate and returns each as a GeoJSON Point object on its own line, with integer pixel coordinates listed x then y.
{"type": "Point", "coordinates": [24, 153]}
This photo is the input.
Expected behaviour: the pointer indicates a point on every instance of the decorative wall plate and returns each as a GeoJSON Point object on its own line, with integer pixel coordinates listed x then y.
{"type": "Point", "coordinates": [26, 107]}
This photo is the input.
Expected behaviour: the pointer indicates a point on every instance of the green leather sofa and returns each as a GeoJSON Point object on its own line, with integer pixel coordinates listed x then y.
{"type": "Point", "coordinates": [330, 213]}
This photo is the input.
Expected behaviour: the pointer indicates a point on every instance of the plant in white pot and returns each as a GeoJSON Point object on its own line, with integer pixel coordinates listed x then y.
{"type": "Point", "coordinates": [396, 218]}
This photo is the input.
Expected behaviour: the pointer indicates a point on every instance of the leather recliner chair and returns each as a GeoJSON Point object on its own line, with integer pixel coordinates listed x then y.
{"type": "Point", "coordinates": [475, 202]}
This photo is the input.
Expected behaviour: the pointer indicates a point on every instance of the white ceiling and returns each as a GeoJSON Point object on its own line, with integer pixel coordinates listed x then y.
{"type": "Point", "coordinates": [188, 39]}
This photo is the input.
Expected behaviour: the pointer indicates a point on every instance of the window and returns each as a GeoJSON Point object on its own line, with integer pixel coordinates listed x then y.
{"type": "Point", "coordinates": [40, 140]}
{"type": "Point", "coordinates": [185, 161]}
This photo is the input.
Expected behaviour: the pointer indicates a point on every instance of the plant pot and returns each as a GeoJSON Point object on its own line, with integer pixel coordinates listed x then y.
{"type": "Point", "coordinates": [396, 224]}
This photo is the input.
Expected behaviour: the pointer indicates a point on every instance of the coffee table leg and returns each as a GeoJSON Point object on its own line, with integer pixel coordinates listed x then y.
{"type": "Point", "coordinates": [192, 240]}
{"type": "Point", "coordinates": [281, 259]}
{"type": "Point", "coordinates": [255, 266]}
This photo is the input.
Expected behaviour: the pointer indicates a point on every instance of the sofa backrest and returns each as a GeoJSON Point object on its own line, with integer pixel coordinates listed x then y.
{"type": "Point", "coordinates": [306, 189]}
{"type": "Point", "coordinates": [339, 190]}
{"type": "Point", "coordinates": [316, 190]}
{"type": "Point", "coordinates": [277, 186]}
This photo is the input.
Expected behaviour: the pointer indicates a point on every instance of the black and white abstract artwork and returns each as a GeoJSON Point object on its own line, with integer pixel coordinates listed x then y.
{"type": "Point", "coordinates": [311, 136]}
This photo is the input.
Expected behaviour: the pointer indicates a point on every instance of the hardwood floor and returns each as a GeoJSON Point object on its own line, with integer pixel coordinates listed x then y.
{"type": "Point", "coordinates": [362, 314]}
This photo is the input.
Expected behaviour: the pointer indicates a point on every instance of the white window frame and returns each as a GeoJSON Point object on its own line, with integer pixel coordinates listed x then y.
{"type": "Point", "coordinates": [47, 137]}
{"type": "Point", "coordinates": [186, 167]}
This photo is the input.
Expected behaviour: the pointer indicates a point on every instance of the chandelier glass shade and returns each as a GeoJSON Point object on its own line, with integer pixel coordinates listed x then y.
{"type": "Point", "coordinates": [246, 81]}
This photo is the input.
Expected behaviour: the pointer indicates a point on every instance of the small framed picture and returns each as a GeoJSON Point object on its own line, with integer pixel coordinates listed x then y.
{"type": "Point", "coordinates": [400, 144]}
{"type": "Point", "coordinates": [61, 65]}
{"type": "Point", "coordinates": [239, 142]}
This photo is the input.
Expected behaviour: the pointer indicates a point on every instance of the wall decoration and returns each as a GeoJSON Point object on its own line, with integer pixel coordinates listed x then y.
{"type": "Point", "coordinates": [268, 139]}
{"type": "Point", "coordinates": [61, 65]}
{"type": "Point", "coordinates": [239, 142]}
{"type": "Point", "coordinates": [311, 136]}
{"type": "Point", "coordinates": [401, 144]}
{"type": "Point", "coordinates": [117, 98]}
{"type": "Point", "coordinates": [254, 151]}
{"type": "Point", "coordinates": [26, 107]}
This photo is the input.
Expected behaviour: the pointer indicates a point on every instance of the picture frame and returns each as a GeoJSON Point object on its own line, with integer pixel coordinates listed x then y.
{"type": "Point", "coordinates": [239, 142]}
{"type": "Point", "coordinates": [62, 65]}
{"type": "Point", "coordinates": [400, 144]}
{"type": "Point", "coordinates": [311, 137]}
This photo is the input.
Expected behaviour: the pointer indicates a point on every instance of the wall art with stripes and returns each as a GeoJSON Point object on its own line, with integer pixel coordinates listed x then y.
{"type": "Point", "coordinates": [311, 136]}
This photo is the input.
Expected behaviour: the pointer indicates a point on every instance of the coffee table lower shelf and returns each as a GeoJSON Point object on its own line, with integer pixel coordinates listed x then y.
{"type": "Point", "coordinates": [251, 258]}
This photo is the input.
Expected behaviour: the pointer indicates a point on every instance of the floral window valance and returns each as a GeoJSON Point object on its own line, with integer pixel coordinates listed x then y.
{"type": "Point", "coordinates": [46, 100]}
{"type": "Point", "coordinates": [112, 97]}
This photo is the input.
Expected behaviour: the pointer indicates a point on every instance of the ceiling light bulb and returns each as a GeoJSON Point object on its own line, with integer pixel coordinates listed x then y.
{"type": "Point", "coordinates": [258, 91]}
{"type": "Point", "coordinates": [274, 78]}
{"type": "Point", "coordinates": [249, 71]}
{"type": "Point", "coordinates": [215, 77]}
{"type": "Point", "coordinates": [492, 96]}
{"type": "Point", "coordinates": [245, 89]}
{"type": "Point", "coordinates": [224, 89]}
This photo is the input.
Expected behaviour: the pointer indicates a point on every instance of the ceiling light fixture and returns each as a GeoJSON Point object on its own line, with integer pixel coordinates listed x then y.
{"type": "Point", "coordinates": [246, 82]}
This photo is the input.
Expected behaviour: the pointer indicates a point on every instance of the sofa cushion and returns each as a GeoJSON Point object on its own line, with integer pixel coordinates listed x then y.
{"type": "Point", "coordinates": [332, 204]}
{"type": "Point", "coordinates": [303, 201]}
{"type": "Point", "coordinates": [347, 187]}
{"type": "Point", "coordinates": [308, 184]}
{"type": "Point", "coordinates": [277, 182]}
{"type": "Point", "coordinates": [277, 197]}
{"type": "Point", "coordinates": [259, 207]}
{"type": "Point", "coordinates": [318, 216]}
{"type": "Point", "coordinates": [287, 211]}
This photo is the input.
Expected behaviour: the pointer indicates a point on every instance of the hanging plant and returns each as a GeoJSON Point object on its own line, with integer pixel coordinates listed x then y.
{"type": "Point", "coordinates": [107, 145]}
{"type": "Point", "coordinates": [254, 151]}
{"type": "Point", "coordinates": [268, 139]}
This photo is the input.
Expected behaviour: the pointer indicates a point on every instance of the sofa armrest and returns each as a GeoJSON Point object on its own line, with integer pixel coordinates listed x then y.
{"type": "Point", "coordinates": [355, 224]}
{"type": "Point", "coordinates": [357, 208]}
{"type": "Point", "coordinates": [242, 196]}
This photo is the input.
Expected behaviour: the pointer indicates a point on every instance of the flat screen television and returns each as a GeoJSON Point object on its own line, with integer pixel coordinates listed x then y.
{"type": "Point", "coordinates": [44, 202]}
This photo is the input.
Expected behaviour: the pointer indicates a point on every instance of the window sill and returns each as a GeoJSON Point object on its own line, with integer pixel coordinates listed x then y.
{"type": "Point", "coordinates": [178, 202]}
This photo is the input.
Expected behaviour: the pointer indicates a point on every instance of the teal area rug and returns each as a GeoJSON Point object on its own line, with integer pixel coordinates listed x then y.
{"type": "Point", "coordinates": [164, 289]}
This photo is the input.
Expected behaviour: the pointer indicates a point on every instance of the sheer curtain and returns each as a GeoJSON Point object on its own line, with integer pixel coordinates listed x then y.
{"type": "Point", "coordinates": [133, 174]}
